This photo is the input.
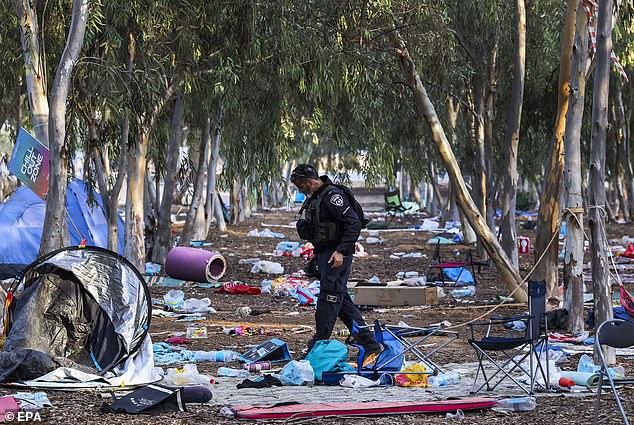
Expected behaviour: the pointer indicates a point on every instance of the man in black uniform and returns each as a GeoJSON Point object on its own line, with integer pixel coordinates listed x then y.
{"type": "Point", "coordinates": [330, 223]}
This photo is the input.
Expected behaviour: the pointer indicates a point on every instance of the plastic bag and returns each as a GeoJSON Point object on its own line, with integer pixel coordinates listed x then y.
{"type": "Point", "coordinates": [358, 381]}
{"type": "Point", "coordinates": [297, 373]}
{"type": "Point", "coordinates": [174, 298]}
{"type": "Point", "coordinates": [412, 379]}
{"type": "Point", "coordinates": [188, 375]}
{"type": "Point", "coordinates": [194, 305]}
{"type": "Point", "coordinates": [267, 267]}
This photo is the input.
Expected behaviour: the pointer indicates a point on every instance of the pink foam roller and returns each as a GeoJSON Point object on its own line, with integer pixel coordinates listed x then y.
{"type": "Point", "coordinates": [195, 264]}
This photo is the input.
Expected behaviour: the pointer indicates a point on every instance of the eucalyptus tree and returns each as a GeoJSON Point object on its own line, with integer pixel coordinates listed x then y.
{"type": "Point", "coordinates": [573, 258]}
{"type": "Point", "coordinates": [49, 112]}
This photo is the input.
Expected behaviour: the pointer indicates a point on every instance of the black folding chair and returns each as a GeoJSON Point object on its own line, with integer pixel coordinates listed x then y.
{"type": "Point", "coordinates": [505, 354]}
{"type": "Point", "coordinates": [436, 270]}
{"type": "Point", "coordinates": [617, 334]}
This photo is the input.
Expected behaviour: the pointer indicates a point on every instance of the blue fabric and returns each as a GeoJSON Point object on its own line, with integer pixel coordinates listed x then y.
{"type": "Point", "coordinates": [22, 219]}
{"type": "Point", "coordinates": [328, 355]}
{"type": "Point", "coordinates": [460, 275]}
{"type": "Point", "coordinates": [619, 313]}
{"type": "Point", "coordinates": [391, 347]}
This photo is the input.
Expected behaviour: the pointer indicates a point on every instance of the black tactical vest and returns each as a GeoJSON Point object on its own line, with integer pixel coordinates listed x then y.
{"type": "Point", "coordinates": [317, 231]}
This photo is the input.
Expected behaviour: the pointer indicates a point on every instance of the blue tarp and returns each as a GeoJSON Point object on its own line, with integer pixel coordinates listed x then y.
{"type": "Point", "coordinates": [22, 219]}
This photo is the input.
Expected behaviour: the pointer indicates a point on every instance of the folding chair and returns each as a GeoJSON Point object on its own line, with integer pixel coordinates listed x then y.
{"type": "Point", "coordinates": [440, 266]}
{"type": "Point", "coordinates": [394, 206]}
{"type": "Point", "coordinates": [506, 354]}
{"type": "Point", "coordinates": [618, 334]}
{"type": "Point", "coordinates": [397, 342]}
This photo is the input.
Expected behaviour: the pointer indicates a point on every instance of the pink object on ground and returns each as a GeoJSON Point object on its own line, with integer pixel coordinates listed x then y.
{"type": "Point", "coordinates": [195, 264]}
{"type": "Point", "coordinates": [359, 409]}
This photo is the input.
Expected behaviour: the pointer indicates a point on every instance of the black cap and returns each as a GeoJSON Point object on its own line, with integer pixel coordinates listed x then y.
{"type": "Point", "coordinates": [304, 171]}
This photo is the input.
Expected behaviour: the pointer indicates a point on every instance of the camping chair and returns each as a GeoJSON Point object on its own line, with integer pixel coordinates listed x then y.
{"type": "Point", "coordinates": [506, 354]}
{"type": "Point", "coordinates": [439, 266]}
{"type": "Point", "coordinates": [618, 334]}
{"type": "Point", "coordinates": [394, 206]}
{"type": "Point", "coordinates": [397, 342]}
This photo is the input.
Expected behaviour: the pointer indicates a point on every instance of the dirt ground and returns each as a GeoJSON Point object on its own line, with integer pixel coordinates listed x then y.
{"type": "Point", "coordinates": [83, 407]}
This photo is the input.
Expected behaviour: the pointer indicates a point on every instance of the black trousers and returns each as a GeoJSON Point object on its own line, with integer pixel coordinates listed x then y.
{"type": "Point", "coordinates": [334, 302]}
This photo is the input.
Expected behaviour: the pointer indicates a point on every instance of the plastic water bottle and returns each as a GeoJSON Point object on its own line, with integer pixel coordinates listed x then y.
{"type": "Point", "coordinates": [519, 404]}
{"type": "Point", "coordinates": [443, 379]}
{"type": "Point", "coordinates": [216, 356]}
{"type": "Point", "coordinates": [233, 373]}
{"type": "Point", "coordinates": [463, 292]}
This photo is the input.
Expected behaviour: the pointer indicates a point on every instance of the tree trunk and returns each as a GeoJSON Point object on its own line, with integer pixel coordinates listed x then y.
{"type": "Point", "coordinates": [599, 249]}
{"type": "Point", "coordinates": [189, 230]}
{"type": "Point", "coordinates": [548, 217]}
{"type": "Point", "coordinates": [35, 68]}
{"type": "Point", "coordinates": [623, 140]}
{"type": "Point", "coordinates": [134, 212]}
{"type": "Point", "coordinates": [509, 194]}
{"type": "Point", "coordinates": [488, 139]}
{"type": "Point", "coordinates": [573, 259]}
{"type": "Point", "coordinates": [55, 230]}
{"type": "Point", "coordinates": [212, 196]}
{"type": "Point", "coordinates": [480, 165]}
{"type": "Point", "coordinates": [427, 112]}
{"type": "Point", "coordinates": [164, 234]}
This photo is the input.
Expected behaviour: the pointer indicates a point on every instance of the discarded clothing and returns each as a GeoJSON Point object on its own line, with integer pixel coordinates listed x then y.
{"type": "Point", "coordinates": [238, 288]}
{"type": "Point", "coordinates": [267, 381]}
{"type": "Point", "coordinates": [33, 401]}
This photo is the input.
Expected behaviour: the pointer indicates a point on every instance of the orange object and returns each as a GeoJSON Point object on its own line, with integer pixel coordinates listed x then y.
{"type": "Point", "coordinates": [566, 382]}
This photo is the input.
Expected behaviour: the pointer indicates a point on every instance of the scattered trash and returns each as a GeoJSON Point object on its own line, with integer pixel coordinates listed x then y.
{"type": "Point", "coordinates": [243, 311]}
{"type": "Point", "coordinates": [176, 340]}
{"type": "Point", "coordinates": [188, 375]}
{"type": "Point", "coordinates": [459, 415]}
{"type": "Point", "coordinates": [196, 332]}
{"type": "Point", "coordinates": [287, 249]}
{"type": "Point", "coordinates": [417, 379]}
{"type": "Point", "coordinates": [358, 381]}
{"type": "Point", "coordinates": [269, 267]}
{"type": "Point", "coordinates": [174, 299]}
{"type": "Point", "coordinates": [200, 243]}
{"type": "Point", "coordinates": [371, 241]}
{"type": "Point", "coordinates": [444, 379]}
{"type": "Point", "coordinates": [244, 330]}
{"type": "Point", "coordinates": [248, 261]}
{"type": "Point", "coordinates": [402, 275]}
{"type": "Point", "coordinates": [463, 292]}
{"type": "Point", "coordinates": [256, 367]}
{"type": "Point", "coordinates": [520, 404]}
{"type": "Point", "coordinates": [195, 264]}
{"type": "Point", "coordinates": [233, 373]}
{"type": "Point", "coordinates": [374, 279]}
{"type": "Point", "coordinates": [194, 305]}
{"type": "Point", "coordinates": [587, 365]}
{"type": "Point", "coordinates": [32, 402]}
{"type": "Point", "coordinates": [152, 268]}
{"type": "Point", "coordinates": [359, 251]}
{"type": "Point", "coordinates": [297, 373]}
{"type": "Point", "coordinates": [266, 233]}
{"type": "Point", "coordinates": [237, 287]}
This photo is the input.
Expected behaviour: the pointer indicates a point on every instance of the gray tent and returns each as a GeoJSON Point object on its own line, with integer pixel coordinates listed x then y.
{"type": "Point", "coordinates": [82, 308]}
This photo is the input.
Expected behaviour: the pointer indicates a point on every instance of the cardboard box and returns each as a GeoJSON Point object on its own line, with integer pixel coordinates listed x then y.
{"type": "Point", "coordinates": [395, 295]}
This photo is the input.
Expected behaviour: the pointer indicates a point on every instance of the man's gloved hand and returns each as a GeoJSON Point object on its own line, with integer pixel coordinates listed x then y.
{"type": "Point", "coordinates": [336, 259]}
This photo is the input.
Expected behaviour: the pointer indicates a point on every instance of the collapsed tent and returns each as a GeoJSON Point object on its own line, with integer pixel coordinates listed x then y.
{"type": "Point", "coordinates": [22, 220]}
{"type": "Point", "coordinates": [87, 309]}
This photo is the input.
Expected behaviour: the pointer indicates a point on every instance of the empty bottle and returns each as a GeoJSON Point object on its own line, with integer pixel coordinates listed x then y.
{"type": "Point", "coordinates": [256, 367]}
{"type": "Point", "coordinates": [442, 379]}
{"type": "Point", "coordinates": [519, 404]}
{"type": "Point", "coordinates": [216, 356]}
{"type": "Point", "coordinates": [463, 292]}
{"type": "Point", "coordinates": [343, 332]}
{"type": "Point", "coordinates": [233, 373]}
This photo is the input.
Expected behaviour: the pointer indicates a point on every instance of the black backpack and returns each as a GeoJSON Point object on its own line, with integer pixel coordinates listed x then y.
{"type": "Point", "coordinates": [353, 203]}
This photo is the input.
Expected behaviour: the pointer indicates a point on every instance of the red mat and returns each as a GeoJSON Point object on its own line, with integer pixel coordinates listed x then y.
{"type": "Point", "coordinates": [358, 409]}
